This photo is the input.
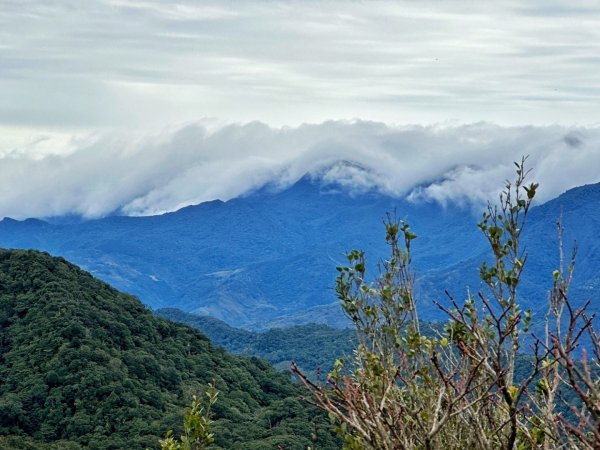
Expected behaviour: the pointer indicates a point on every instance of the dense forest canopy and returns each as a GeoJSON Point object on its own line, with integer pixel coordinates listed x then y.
{"type": "Point", "coordinates": [82, 365]}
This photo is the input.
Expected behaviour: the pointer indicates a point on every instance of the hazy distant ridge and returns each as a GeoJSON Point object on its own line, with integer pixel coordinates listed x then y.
{"type": "Point", "coordinates": [267, 258]}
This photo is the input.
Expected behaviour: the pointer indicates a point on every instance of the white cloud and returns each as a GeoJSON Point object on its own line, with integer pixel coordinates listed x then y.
{"type": "Point", "coordinates": [71, 68]}
{"type": "Point", "coordinates": [146, 62]}
{"type": "Point", "coordinates": [141, 173]}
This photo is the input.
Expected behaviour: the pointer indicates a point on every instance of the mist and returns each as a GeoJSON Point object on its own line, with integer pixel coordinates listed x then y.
{"type": "Point", "coordinates": [135, 173]}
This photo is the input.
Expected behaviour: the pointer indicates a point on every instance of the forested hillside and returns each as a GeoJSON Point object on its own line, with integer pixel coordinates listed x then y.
{"type": "Point", "coordinates": [84, 366]}
{"type": "Point", "coordinates": [313, 347]}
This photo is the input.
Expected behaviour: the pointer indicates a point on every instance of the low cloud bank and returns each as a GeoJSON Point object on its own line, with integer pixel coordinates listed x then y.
{"type": "Point", "coordinates": [135, 174]}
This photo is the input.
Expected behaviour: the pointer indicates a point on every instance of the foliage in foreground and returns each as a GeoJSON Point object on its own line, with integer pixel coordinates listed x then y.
{"type": "Point", "coordinates": [197, 425]}
{"type": "Point", "coordinates": [407, 390]}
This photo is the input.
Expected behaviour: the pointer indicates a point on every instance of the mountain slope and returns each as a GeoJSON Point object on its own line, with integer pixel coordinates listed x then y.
{"type": "Point", "coordinates": [83, 363]}
{"type": "Point", "coordinates": [579, 212]}
{"type": "Point", "coordinates": [251, 260]}
{"type": "Point", "coordinates": [268, 259]}
{"type": "Point", "coordinates": [311, 346]}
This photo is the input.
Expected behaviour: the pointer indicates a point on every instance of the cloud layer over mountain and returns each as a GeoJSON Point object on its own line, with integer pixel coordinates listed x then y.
{"type": "Point", "coordinates": [140, 174]}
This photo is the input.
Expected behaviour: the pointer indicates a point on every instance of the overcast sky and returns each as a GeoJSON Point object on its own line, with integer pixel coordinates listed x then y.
{"type": "Point", "coordinates": [74, 72]}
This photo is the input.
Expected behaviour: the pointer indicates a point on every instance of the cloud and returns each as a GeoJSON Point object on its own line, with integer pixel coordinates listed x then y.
{"type": "Point", "coordinates": [149, 173]}
{"type": "Point", "coordinates": [139, 62]}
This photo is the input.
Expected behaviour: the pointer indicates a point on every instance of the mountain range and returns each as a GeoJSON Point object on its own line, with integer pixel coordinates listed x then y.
{"type": "Point", "coordinates": [268, 259]}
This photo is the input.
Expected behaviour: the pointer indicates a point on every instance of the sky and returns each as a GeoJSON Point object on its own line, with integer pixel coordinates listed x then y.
{"type": "Point", "coordinates": [131, 105]}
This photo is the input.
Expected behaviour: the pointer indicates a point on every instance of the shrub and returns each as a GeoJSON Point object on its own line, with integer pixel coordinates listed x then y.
{"type": "Point", "coordinates": [469, 384]}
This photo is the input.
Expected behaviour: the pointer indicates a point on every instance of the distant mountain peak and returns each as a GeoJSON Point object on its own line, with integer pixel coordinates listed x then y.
{"type": "Point", "coordinates": [346, 164]}
{"type": "Point", "coordinates": [339, 167]}
{"type": "Point", "coordinates": [348, 175]}
{"type": "Point", "coordinates": [9, 221]}
{"type": "Point", "coordinates": [338, 176]}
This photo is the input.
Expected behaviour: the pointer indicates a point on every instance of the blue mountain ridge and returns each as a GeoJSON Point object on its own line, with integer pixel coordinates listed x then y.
{"type": "Point", "coordinates": [269, 258]}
